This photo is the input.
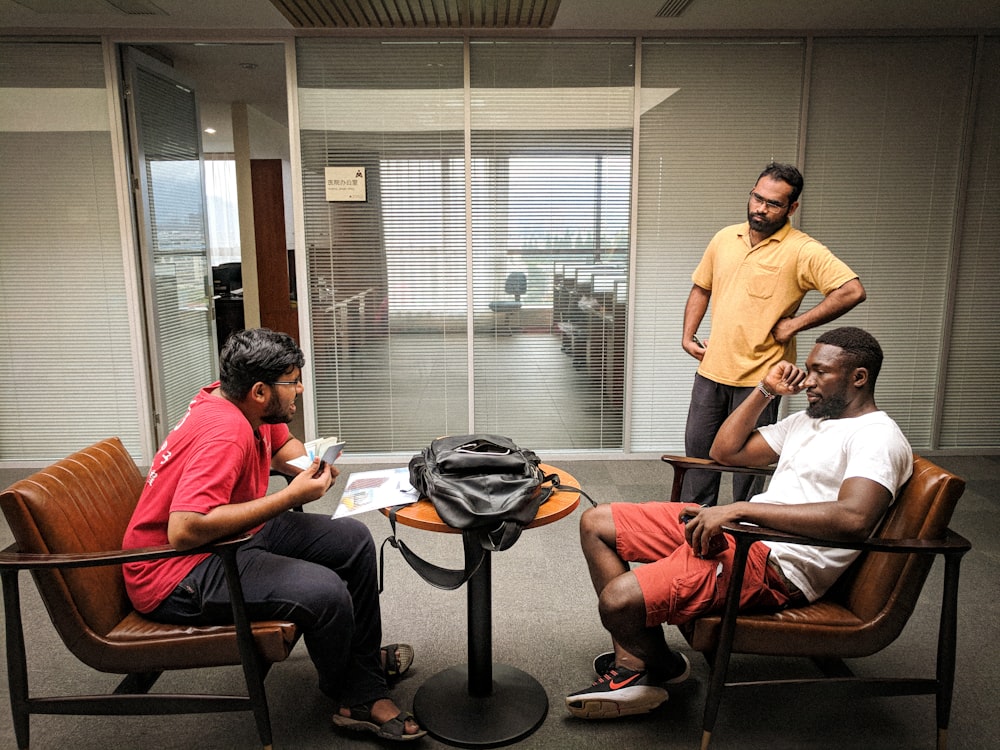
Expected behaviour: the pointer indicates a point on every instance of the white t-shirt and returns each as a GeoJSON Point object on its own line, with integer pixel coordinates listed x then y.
{"type": "Point", "coordinates": [815, 457]}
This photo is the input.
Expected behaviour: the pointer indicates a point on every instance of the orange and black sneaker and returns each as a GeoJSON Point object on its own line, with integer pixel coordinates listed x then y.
{"type": "Point", "coordinates": [619, 692]}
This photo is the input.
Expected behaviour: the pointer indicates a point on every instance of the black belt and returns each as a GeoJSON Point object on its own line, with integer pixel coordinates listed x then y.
{"type": "Point", "coordinates": [795, 595]}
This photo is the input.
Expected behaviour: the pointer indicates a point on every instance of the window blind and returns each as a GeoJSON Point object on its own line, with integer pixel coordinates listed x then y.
{"type": "Point", "coordinates": [971, 415]}
{"type": "Point", "coordinates": [387, 275]}
{"type": "Point", "coordinates": [885, 129]}
{"type": "Point", "coordinates": [713, 114]}
{"type": "Point", "coordinates": [551, 164]}
{"type": "Point", "coordinates": [67, 366]}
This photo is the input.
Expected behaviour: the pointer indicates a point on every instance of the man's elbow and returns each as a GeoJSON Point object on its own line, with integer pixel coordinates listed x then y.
{"type": "Point", "coordinates": [856, 292]}
{"type": "Point", "coordinates": [183, 533]}
{"type": "Point", "coordinates": [722, 456]}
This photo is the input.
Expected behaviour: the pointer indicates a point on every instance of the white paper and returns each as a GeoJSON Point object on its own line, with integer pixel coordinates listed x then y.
{"type": "Point", "coordinates": [371, 490]}
{"type": "Point", "coordinates": [330, 447]}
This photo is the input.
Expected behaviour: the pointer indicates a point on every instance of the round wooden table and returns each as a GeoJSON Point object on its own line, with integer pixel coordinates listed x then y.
{"type": "Point", "coordinates": [482, 704]}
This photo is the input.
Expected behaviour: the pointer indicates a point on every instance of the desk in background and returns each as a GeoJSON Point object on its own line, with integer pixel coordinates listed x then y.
{"type": "Point", "coordinates": [590, 307]}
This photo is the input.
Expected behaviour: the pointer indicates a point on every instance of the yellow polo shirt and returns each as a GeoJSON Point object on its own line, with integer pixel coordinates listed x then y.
{"type": "Point", "coordinates": [754, 287]}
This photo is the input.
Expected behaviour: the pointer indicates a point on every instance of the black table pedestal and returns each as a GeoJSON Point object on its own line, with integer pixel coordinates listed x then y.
{"type": "Point", "coordinates": [515, 707]}
{"type": "Point", "coordinates": [481, 704]}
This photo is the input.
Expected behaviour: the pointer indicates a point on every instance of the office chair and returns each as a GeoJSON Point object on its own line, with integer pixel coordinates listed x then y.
{"type": "Point", "coordinates": [515, 284]}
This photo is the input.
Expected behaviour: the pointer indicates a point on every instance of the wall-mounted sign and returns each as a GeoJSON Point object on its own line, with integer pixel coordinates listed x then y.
{"type": "Point", "coordinates": [345, 184]}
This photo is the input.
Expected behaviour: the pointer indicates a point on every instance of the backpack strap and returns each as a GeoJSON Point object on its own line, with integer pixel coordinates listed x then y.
{"type": "Point", "coordinates": [435, 575]}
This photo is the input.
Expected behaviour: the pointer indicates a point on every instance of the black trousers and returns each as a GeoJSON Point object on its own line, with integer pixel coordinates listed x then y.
{"type": "Point", "coordinates": [711, 403]}
{"type": "Point", "coordinates": [317, 572]}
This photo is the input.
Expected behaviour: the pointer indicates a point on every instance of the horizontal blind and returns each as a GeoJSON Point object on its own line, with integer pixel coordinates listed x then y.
{"type": "Point", "coordinates": [64, 318]}
{"type": "Point", "coordinates": [885, 128]}
{"type": "Point", "coordinates": [971, 415]}
{"type": "Point", "coordinates": [551, 169]}
{"type": "Point", "coordinates": [386, 274]}
{"type": "Point", "coordinates": [713, 114]}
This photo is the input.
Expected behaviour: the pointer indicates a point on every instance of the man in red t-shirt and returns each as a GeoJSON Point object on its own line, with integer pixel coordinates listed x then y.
{"type": "Point", "coordinates": [209, 480]}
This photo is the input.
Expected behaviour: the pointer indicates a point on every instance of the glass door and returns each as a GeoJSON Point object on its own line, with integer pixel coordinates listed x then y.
{"type": "Point", "coordinates": [168, 185]}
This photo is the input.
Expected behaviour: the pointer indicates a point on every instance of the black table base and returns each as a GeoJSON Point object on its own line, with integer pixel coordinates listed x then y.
{"type": "Point", "coordinates": [514, 707]}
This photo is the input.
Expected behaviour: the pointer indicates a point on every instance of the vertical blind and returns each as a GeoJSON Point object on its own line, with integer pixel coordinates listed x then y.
{"type": "Point", "coordinates": [67, 364]}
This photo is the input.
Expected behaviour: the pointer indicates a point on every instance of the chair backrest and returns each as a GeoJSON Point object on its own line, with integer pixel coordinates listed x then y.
{"type": "Point", "coordinates": [890, 583]}
{"type": "Point", "coordinates": [516, 284]}
{"type": "Point", "coordinates": [80, 504]}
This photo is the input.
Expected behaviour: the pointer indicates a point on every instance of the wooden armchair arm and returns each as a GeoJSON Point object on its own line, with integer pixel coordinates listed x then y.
{"type": "Point", "coordinates": [951, 542]}
{"type": "Point", "coordinates": [11, 559]}
{"type": "Point", "coordinates": [681, 465]}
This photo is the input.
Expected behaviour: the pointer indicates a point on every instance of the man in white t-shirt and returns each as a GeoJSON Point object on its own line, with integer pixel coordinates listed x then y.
{"type": "Point", "coordinates": [840, 465]}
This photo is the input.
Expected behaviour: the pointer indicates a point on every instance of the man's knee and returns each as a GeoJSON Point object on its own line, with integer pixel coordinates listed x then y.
{"type": "Point", "coordinates": [597, 525]}
{"type": "Point", "coordinates": [621, 603]}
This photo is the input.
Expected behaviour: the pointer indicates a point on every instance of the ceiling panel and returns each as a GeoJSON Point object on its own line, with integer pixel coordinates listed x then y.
{"type": "Point", "coordinates": [418, 14]}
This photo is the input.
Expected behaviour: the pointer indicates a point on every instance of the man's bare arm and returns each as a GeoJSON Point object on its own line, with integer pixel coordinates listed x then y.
{"type": "Point", "coordinates": [694, 313]}
{"type": "Point", "coordinates": [737, 442]}
{"type": "Point", "coordinates": [187, 529]}
{"type": "Point", "coordinates": [832, 306]}
{"type": "Point", "coordinates": [858, 509]}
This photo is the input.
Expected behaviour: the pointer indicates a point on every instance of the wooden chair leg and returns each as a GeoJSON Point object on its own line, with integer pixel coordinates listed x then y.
{"type": "Point", "coordinates": [720, 668]}
{"type": "Point", "coordinates": [947, 637]}
{"type": "Point", "coordinates": [252, 671]}
{"type": "Point", "coordinates": [17, 661]}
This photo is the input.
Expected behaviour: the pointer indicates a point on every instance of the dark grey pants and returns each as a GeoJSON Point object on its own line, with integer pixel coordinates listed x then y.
{"type": "Point", "coordinates": [314, 571]}
{"type": "Point", "coordinates": [711, 403]}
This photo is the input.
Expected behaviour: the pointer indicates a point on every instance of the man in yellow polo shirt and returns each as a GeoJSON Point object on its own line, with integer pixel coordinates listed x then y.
{"type": "Point", "coordinates": [755, 275]}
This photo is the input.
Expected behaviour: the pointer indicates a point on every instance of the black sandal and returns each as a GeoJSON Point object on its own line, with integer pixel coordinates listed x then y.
{"type": "Point", "coordinates": [397, 660]}
{"type": "Point", "coordinates": [361, 720]}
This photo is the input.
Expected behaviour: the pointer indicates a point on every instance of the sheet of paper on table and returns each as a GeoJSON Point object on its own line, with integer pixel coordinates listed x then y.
{"type": "Point", "coordinates": [371, 490]}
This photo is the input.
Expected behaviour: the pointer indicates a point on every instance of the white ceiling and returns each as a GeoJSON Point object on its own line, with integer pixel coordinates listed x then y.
{"type": "Point", "coordinates": [242, 68]}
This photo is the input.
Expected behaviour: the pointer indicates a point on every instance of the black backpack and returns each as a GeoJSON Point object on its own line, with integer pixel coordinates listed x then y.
{"type": "Point", "coordinates": [484, 485]}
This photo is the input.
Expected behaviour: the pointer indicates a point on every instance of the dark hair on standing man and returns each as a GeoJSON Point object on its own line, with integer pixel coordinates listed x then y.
{"type": "Point", "coordinates": [785, 173]}
{"type": "Point", "coordinates": [860, 349]}
{"type": "Point", "coordinates": [256, 355]}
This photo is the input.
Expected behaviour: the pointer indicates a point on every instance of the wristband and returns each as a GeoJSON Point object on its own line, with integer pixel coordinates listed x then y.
{"type": "Point", "coordinates": [767, 394]}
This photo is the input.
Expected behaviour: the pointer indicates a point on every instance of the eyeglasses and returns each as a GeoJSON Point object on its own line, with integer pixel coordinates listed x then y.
{"type": "Point", "coordinates": [296, 382]}
{"type": "Point", "coordinates": [771, 205]}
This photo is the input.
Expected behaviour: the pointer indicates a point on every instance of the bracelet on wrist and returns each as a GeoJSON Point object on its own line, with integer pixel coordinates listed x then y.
{"type": "Point", "coordinates": [767, 394]}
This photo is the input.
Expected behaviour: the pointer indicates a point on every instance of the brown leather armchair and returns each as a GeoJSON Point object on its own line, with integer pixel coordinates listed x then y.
{"type": "Point", "coordinates": [68, 521]}
{"type": "Point", "coordinates": [864, 612]}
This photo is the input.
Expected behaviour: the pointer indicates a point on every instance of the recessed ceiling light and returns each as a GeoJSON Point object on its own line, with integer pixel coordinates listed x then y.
{"type": "Point", "coordinates": [210, 131]}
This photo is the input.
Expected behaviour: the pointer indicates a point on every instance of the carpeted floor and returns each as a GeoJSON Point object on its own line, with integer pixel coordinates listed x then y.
{"type": "Point", "coordinates": [545, 622]}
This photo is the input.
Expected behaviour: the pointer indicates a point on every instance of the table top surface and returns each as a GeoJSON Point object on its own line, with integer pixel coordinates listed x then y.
{"type": "Point", "coordinates": [562, 502]}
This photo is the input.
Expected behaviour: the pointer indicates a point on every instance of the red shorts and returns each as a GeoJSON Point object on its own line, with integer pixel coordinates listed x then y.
{"type": "Point", "coordinates": [676, 585]}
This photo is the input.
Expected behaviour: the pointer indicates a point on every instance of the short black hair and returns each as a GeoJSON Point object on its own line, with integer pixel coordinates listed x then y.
{"type": "Point", "coordinates": [786, 173]}
{"type": "Point", "coordinates": [256, 355]}
{"type": "Point", "coordinates": [860, 349]}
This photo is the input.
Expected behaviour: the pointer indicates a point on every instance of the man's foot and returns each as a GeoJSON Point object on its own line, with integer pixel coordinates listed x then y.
{"type": "Point", "coordinates": [382, 718]}
{"type": "Point", "coordinates": [681, 670]}
{"type": "Point", "coordinates": [619, 692]}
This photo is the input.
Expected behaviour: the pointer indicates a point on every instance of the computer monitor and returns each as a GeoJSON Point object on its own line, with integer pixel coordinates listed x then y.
{"type": "Point", "coordinates": [227, 279]}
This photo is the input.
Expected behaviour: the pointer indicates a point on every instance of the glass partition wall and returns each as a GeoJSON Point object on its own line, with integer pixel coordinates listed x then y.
{"type": "Point", "coordinates": [534, 209]}
{"type": "Point", "coordinates": [480, 281]}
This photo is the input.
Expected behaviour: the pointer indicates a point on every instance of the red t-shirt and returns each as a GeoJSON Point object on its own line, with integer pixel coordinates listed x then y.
{"type": "Point", "coordinates": [211, 458]}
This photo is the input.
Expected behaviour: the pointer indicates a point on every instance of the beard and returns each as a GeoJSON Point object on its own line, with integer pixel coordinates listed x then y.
{"type": "Point", "coordinates": [830, 407]}
{"type": "Point", "coordinates": [275, 414]}
{"type": "Point", "coordinates": [765, 226]}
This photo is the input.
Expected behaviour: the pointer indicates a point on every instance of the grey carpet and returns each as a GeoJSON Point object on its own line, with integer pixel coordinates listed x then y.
{"type": "Point", "coordinates": [545, 622]}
